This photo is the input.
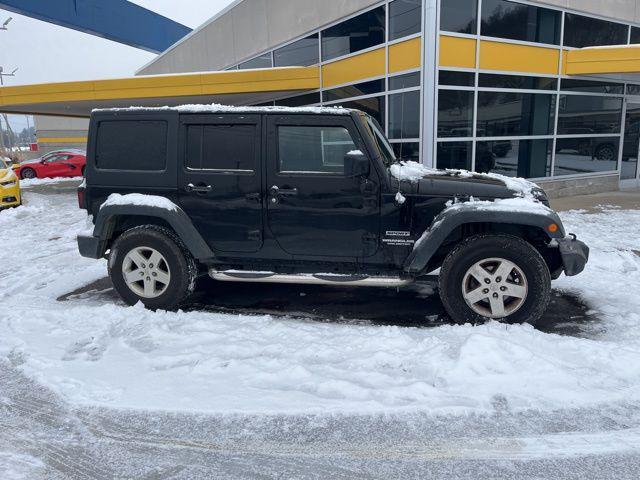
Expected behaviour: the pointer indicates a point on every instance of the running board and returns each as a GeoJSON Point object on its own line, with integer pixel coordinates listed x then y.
{"type": "Point", "coordinates": [308, 279]}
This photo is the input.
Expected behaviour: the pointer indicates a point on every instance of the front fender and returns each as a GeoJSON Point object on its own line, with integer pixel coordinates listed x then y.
{"type": "Point", "coordinates": [94, 246]}
{"type": "Point", "coordinates": [478, 212]}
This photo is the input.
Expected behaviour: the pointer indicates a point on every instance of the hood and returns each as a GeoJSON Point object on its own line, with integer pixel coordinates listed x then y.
{"type": "Point", "coordinates": [6, 175]}
{"type": "Point", "coordinates": [417, 179]}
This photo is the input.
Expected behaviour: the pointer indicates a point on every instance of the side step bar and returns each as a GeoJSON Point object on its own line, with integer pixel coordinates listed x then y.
{"type": "Point", "coordinates": [308, 279]}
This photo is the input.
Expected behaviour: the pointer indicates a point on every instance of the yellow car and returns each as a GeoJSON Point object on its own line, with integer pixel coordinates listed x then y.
{"type": "Point", "coordinates": [9, 187]}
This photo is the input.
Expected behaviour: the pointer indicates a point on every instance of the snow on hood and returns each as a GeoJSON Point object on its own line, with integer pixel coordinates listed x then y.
{"type": "Point", "coordinates": [218, 108]}
{"type": "Point", "coordinates": [6, 175]}
{"type": "Point", "coordinates": [414, 171]}
{"type": "Point", "coordinates": [140, 200]}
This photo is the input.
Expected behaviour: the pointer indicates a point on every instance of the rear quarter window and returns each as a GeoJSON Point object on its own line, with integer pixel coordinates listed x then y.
{"type": "Point", "coordinates": [132, 145]}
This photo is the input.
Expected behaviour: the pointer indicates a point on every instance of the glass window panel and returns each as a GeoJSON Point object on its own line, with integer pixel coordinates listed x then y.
{"type": "Point", "coordinates": [132, 145]}
{"type": "Point", "coordinates": [364, 31]}
{"type": "Point", "coordinates": [455, 113]}
{"type": "Point", "coordinates": [374, 106]}
{"type": "Point", "coordinates": [313, 149]}
{"type": "Point", "coordinates": [408, 80]}
{"type": "Point", "coordinates": [517, 21]}
{"type": "Point", "coordinates": [585, 115]}
{"type": "Point", "coordinates": [461, 79]}
{"type": "Point", "coordinates": [221, 147]}
{"type": "Point", "coordinates": [459, 16]}
{"type": "Point", "coordinates": [580, 31]}
{"type": "Point", "coordinates": [299, 100]}
{"type": "Point", "coordinates": [407, 151]}
{"type": "Point", "coordinates": [571, 85]}
{"type": "Point", "coordinates": [515, 158]}
{"type": "Point", "coordinates": [633, 89]}
{"type": "Point", "coordinates": [455, 155]}
{"type": "Point", "coordinates": [405, 18]}
{"type": "Point", "coordinates": [631, 142]}
{"type": "Point", "coordinates": [635, 35]}
{"type": "Point", "coordinates": [520, 82]}
{"type": "Point", "coordinates": [263, 61]}
{"type": "Point", "coordinates": [356, 90]}
{"type": "Point", "coordinates": [302, 53]}
{"type": "Point", "coordinates": [515, 114]}
{"type": "Point", "coordinates": [586, 155]}
{"type": "Point", "coordinates": [404, 115]}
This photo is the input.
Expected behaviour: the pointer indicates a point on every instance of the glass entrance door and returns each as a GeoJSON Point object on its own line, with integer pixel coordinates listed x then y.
{"type": "Point", "coordinates": [631, 145]}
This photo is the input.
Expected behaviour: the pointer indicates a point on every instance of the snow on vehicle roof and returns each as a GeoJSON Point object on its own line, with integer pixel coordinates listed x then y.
{"type": "Point", "coordinates": [217, 108]}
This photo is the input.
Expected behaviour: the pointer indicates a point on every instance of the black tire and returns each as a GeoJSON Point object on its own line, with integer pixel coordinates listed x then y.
{"type": "Point", "coordinates": [488, 246]}
{"type": "Point", "coordinates": [28, 173]}
{"type": "Point", "coordinates": [183, 267]}
{"type": "Point", "coordinates": [606, 152]}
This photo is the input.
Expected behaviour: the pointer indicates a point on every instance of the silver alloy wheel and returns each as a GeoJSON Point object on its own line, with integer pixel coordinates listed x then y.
{"type": "Point", "coordinates": [28, 173]}
{"type": "Point", "coordinates": [495, 288]}
{"type": "Point", "coordinates": [146, 272]}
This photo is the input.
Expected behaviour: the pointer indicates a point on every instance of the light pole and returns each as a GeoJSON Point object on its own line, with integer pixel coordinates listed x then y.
{"type": "Point", "coordinates": [2, 146]}
{"type": "Point", "coordinates": [6, 118]}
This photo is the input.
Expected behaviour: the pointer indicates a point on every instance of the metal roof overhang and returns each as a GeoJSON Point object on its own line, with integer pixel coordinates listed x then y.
{"type": "Point", "coordinates": [618, 62]}
{"type": "Point", "coordinates": [78, 99]}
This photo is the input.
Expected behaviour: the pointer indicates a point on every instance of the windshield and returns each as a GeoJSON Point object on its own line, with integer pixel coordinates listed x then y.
{"type": "Point", "coordinates": [385, 149]}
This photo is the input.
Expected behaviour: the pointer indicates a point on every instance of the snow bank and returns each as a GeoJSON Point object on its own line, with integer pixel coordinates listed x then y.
{"type": "Point", "coordinates": [97, 352]}
{"type": "Point", "coordinates": [217, 108]}
{"type": "Point", "coordinates": [139, 199]}
{"type": "Point", "coordinates": [36, 182]}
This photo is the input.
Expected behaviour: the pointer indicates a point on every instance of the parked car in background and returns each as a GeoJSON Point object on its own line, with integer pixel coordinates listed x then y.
{"type": "Point", "coordinates": [60, 163]}
{"type": "Point", "coordinates": [9, 186]}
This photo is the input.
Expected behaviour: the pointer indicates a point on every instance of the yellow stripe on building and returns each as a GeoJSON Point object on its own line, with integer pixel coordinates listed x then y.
{"type": "Point", "coordinates": [352, 69]}
{"type": "Point", "coordinates": [603, 60]}
{"type": "Point", "coordinates": [405, 55]}
{"type": "Point", "coordinates": [510, 57]}
{"type": "Point", "coordinates": [457, 52]}
{"type": "Point", "coordinates": [62, 140]}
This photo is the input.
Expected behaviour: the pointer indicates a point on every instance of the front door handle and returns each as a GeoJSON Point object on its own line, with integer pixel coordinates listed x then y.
{"type": "Point", "coordinates": [200, 188]}
{"type": "Point", "coordinates": [283, 192]}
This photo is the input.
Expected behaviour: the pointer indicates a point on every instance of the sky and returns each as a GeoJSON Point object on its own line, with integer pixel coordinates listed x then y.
{"type": "Point", "coordinates": [43, 52]}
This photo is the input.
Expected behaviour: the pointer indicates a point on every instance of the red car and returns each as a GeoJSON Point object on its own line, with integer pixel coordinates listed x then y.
{"type": "Point", "coordinates": [61, 163]}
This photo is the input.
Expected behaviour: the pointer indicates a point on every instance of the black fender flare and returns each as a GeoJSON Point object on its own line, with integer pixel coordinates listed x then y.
{"type": "Point", "coordinates": [177, 219]}
{"type": "Point", "coordinates": [445, 223]}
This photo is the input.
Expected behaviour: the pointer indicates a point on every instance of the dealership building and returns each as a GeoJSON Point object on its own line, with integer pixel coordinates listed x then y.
{"type": "Point", "coordinates": [515, 88]}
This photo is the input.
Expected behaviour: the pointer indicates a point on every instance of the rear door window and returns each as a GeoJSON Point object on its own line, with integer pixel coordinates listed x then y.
{"type": "Point", "coordinates": [221, 148]}
{"type": "Point", "coordinates": [132, 145]}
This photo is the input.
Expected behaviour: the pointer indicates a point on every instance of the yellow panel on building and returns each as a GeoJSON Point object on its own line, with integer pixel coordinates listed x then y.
{"type": "Point", "coordinates": [405, 55]}
{"type": "Point", "coordinates": [352, 69]}
{"type": "Point", "coordinates": [518, 58]}
{"type": "Point", "coordinates": [457, 52]}
{"type": "Point", "coordinates": [590, 61]}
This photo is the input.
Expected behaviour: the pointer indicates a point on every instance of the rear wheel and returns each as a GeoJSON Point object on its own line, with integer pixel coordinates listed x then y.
{"type": "Point", "coordinates": [149, 264]}
{"type": "Point", "coordinates": [495, 277]}
{"type": "Point", "coordinates": [28, 173]}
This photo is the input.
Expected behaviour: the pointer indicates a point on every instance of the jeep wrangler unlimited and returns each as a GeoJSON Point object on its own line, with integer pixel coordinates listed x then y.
{"type": "Point", "coordinates": [308, 196]}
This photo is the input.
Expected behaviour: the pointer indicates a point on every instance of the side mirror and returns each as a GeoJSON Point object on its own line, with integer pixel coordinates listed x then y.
{"type": "Point", "coordinates": [356, 164]}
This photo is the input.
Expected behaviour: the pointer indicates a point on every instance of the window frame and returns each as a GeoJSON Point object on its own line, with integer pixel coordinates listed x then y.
{"type": "Point", "coordinates": [226, 119]}
{"type": "Point", "coordinates": [335, 121]}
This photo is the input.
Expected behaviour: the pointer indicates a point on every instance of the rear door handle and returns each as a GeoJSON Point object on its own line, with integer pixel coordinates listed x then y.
{"type": "Point", "coordinates": [191, 188]}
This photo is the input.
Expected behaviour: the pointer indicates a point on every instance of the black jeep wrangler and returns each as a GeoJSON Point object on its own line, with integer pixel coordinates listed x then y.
{"type": "Point", "coordinates": [308, 196]}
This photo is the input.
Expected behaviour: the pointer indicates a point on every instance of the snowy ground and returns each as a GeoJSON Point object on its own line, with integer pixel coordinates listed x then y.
{"type": "Point", "coordinates": [239, 394]}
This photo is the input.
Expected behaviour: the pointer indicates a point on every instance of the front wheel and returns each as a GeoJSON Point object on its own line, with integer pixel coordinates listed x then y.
{"type": "Point", "coordinates": [28, 173]}
{"type": "Point", "coordinates": [149, 264]}
{"type": "Point", "coordinates": [495, 277]}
